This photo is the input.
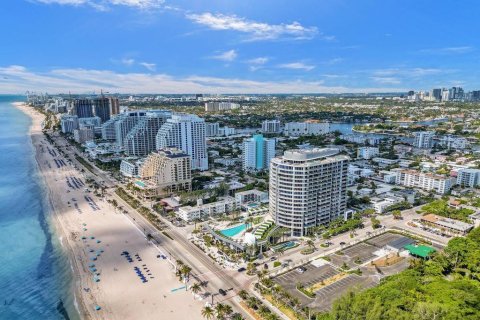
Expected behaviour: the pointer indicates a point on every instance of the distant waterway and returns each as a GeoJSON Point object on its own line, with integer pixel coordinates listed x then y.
{"type": "Point", "coordinates": [35, 275]}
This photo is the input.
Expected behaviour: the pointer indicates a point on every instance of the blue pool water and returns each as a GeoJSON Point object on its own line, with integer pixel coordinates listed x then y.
{"type": "Point", "coordinates": [35, 275]}
{"type": "Point", "coordinates": [231, 232]}
{"type": "Point", "coordinates": [285, 246]}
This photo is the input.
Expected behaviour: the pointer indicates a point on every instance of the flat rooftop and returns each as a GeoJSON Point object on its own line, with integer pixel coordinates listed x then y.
{"type": "Point", "coordinates": [309, 154]}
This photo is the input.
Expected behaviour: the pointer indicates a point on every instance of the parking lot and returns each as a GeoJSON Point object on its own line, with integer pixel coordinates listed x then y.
{"type": "Point", "coordinates": [312, 275]}
{"type": "Point", "coordinates": [361, 251]}
{"type": "Point", "coordinates": [327, 295]}
{"type": "Point", "coordinates": [384, 239]}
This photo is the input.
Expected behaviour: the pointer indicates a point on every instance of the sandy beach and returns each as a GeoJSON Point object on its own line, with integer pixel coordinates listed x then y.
{"type": "Point", "coordinates": [94, 236]}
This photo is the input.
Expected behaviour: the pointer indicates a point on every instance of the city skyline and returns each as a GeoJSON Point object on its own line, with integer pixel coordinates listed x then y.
{"type": "Point", "coordinates": [154, 46]}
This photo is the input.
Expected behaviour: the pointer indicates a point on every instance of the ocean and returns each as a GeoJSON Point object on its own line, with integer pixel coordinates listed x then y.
{"type": "Point", "coordinates": [35, 275]}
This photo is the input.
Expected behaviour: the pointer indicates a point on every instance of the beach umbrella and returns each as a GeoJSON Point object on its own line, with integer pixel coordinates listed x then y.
{"type": "Point", "coordinates": [97, 308]}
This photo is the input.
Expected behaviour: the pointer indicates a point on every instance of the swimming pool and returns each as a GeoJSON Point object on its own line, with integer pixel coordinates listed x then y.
{"type": "Point", "coordinates": [231, 232]}
{"type": "Point", "coordinates": [285, 246]}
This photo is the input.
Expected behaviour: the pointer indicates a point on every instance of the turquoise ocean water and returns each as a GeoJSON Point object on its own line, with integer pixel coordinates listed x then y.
{"type": "Point", "coordinates": [35, 276]}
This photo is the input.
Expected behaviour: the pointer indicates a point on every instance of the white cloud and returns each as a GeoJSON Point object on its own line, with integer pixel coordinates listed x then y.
{"type": "Point", "coordinates": [259, 60]}
{"type": "Point", "coordinates": [127, 61]}
{"type": "Point", "coordinates": [229, 55]}
{"type": "Point", "coordinates": [297, 66]}
{"type": "Point", "coordinates": [333, 61]}
{"type": "Point", "coordinates": [106, 4]}
{"type": "Point", "coordinates": [409, 72]}
{"type": "Point", "coordinates": [448, 50]}
{"type": "Point", "coordinates": [255, 30]}
{"type": "Point", "coordinates": [149, 66]}
{"type": "Point", "coordinates": [386, 80]}
{"type": "Point", "coordinates": [18, 79]}
{"type": "Point", "coordinates": [257, 63]}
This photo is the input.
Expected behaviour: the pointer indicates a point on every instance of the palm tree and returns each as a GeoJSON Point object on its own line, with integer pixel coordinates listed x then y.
{"type": "Point", "coordinates": [243, 294]}
{"type": "Point", "coordinates": [236, 316]}
{"type": "Point", "coordinates": [220, 310]}
{"type": "Point", "coordinates": [196, 288]}
{"type": "Point", "coordinates": [227, 309]}
{"type": "Point", "coordinates": [207, 313]}
{"type": "Point", "coordinates": [185, 270]}
{"type": "Point", "coordinates": [310, 243]}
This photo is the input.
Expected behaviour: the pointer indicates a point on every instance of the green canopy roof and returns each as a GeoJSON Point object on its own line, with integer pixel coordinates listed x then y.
{"type": "Point", "coordinates": [420, 251]}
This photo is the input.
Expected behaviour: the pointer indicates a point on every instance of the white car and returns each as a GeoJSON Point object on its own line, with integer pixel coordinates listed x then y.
{"type": "Point", "coordinates": [301, 270]}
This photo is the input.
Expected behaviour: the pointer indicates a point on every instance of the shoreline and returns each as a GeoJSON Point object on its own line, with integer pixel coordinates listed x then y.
{"type": "Point", "coordinates": [105, 284]}
{"type": "Point", "coordinates": [52, 213]}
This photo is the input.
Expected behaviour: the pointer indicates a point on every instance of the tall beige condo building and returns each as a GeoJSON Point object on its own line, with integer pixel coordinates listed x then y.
{"type": "Point", "coordinates": [166, 171]}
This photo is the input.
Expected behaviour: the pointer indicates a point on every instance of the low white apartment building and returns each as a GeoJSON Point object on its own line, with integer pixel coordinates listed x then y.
{"type": "Point", "coordinates": [367, 152]}
{"type": "Point", "coordinates": [296, 129]}
{"type": "Point", "coordinates": [129, 167]}
{"type": "Point", "coordinates": [385, 161]}
{"type": "Point", "coordinates": [423, 139]}
{"type": "Point", "coordinates": [453, 142]}
{"type": "Point", "coordinates": [426, 181]}
{"type": "Point", "coordinates": [201, 211]}
{"type": "Point", "coordinates": [248, 196]}
{"type": "Point", "coordinates": [468, 177]}
{"type": "Point", "coordinates": [271, 126]}
{"type": "Point", "coordinates": [380, 205]}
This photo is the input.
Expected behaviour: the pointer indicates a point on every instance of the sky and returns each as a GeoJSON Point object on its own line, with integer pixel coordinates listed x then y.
{"type": "Point", "coordinates": [215, 47]}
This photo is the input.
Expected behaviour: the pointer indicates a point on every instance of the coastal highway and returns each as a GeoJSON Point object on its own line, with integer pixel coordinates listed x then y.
{"type": "Point", "coordinates": [203, 268]}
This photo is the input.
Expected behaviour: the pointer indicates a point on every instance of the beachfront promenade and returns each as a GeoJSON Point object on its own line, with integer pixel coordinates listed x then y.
{"type": "Point", "coordinates": [203, 268]}
{"type": "Point", "coordinates": [108, 285]}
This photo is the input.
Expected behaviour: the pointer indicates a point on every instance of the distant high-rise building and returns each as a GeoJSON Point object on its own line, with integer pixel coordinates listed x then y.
{"type": "Point", "coordinates": [68, 123]}
{"type": "Point", "coordinates": [105, 107]}
{"type": "Point", "coordinates": [423, 139]}
{"type": "Point", "coordinates": [108, 129]}
{"type": "Point", "coordinates": [125, 123]}
{"type": "Point", "coordinates": [185, 132]}
{"type": "Point", "coordinates": [84, 134]}
{"type": "Point", "coordinates": [83, 108]}
{"type": "Point", "coordinates": [220, 106]}
{"type": "Point", "coordinates": [211, 129]}
{"type": "Point", "coordinates": [141, 140]}
{"type": "Point", "coordinates": [411, 93]}
{"type": "Point", "coordinates": [445, 95]}
{"type": "Point", "coordinates": [257, 153]}
{"type": "Point", "coordinates": [271, 126]}
{"type": "Point", "coordinates": [308, 188]}
{"type": "Point", "coordinates": [437, 94]}
{"type": "Point", "coordinates": [456, 94]}
{"type": "Point", "coordinates": [475, 95]}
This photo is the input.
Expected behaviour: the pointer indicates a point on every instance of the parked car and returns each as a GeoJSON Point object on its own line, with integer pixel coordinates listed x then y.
{"type": "Point", "coordinates": [301, 269]}
{"type": "Point", "coordinates": [241, 269]}
{"type": "Point", "coordinates": [222, 292]}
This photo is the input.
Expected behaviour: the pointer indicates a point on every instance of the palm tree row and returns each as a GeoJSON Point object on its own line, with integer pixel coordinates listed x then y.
{"type": "Point", "coordinates": [183, 270]}
{"type": "Point", "coordinates": [220, 311]}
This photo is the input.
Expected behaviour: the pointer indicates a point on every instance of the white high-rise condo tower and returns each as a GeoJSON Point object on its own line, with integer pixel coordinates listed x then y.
{"type": "Point", "coordinates": [185, 132]}
{"type": "Point", "coordinates": [308, 188]}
